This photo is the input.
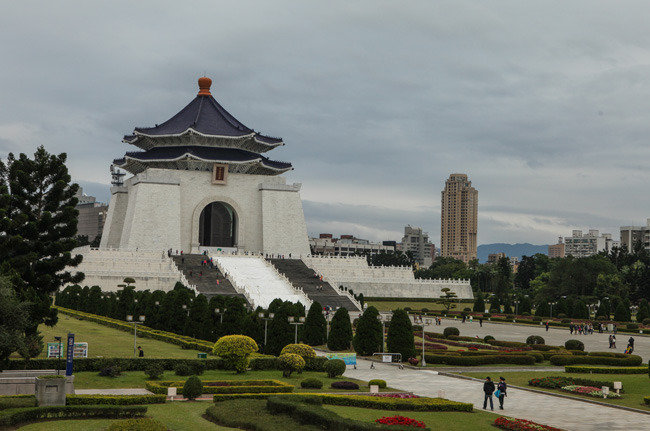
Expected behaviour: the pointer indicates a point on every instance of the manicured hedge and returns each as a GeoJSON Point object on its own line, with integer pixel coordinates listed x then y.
{"type": "Point", "coordinates": [480, 360]}
{"type": "Point", "coordinates": [14, 401]}
{"type": "Point", "coordinates": [605, 370]}
{"type": "Point", "coordinates": [315, 414]}
{"type": "Point", "coordinates": [609, 354]}
{"type": "Point", "coordinates": [224, 386]}
{"type": "Point", "coordinates": [140, 424]}
{"type": "Point", "coordinates": [537, 355]}
{"type": "Point", "coordinates": [14, 417]}
{"type": "Point", "coordinates": [557, 382]}
{"type": "Point", "coordinates": [630, 361]}
{"type": "Point", "coordinates": [384, 403]}
{"type": "Point", "coordinates": [125, 364]}
{"type": "Point", "coordinates": [143, 331]}
{"type": "Point", "coordinates": [115, 400]}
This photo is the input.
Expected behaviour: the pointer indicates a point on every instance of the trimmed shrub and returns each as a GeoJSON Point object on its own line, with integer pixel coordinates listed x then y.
{"type": "Point", "coordinates": [488, 338]}
{"type": "Point", "coordinates": [630, 361]}
{"type": "Point", "coordinates": [311, 383]}
{"type": "Point", "coordinates": [400, 335]}
{"type": "Point", "coordinates": [315, 364]}
{"type": "Point", "coordinates": [368, 338]}
{"type": "Point", "coordinates": [141, 424]}
{"type": "Point", "coordinates": [605, 370]}
{"type": "Point", "coordinates": [30, 414]}
{"type": "Point", "coordinates": [535, 339]}
{"type": "Point", "coordinates": [290, 362]}
{"type": "Point", "coordinates": [225, 386]}
{"type": "Point", "coordinates": [632, 326]}
{"type": "Point", "coordinates": [344, 385]}
{"type": "Point", "coordinates": [183, 370]}
{"type": "Point", "coordinates": [193, 388]}
{"type": "Point", "coordinates": [522, 359]}
{"type": "Point", "coordinates": [378, 382]}
{"type": "Point", "coordinates": [125, 364]}
{"type": "Point", "coordinates": [314, 332]}
{"type": "Point", "coordinates": [15, 401]}
{"type": "Point", "coordinates": [380, 403]}
{"type": "Point", "coordinates": [236, 351]}
{"type": "Point", "coordinates": [451, 331]}
{"type": "Point", "coordinates": [556, 382]}
{"type": "Point", "coordinates": [154, 371]}
{"type": "Point", "coordinates": [340, 335]}
{"type": "Point", "coordinates": [574, 345]}
{"type": "Point", "coordinates": [334, 368]}
{"type": "Point", "coordinates": [302, 350]}
{"type": "Point", "coordinates": [112, 371]}
{"type": "Point", "coordinates": [115, 400]}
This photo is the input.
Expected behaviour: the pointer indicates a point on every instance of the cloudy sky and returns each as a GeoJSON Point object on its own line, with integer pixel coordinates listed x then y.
{"type": "Point", "coordinates": [545, 104]}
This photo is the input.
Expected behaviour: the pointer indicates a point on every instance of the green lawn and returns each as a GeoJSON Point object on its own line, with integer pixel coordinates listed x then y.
{"type": "Point", "coordinates": [177, 416]}
{"type": "Point", "coordinates": [108, 342]}
{"type": "Point", "coordinates": [448, 421]}
{"type": "Point", "coordinates": [635, 386]}
{"type": "Point", "coordinates": [136, 379]}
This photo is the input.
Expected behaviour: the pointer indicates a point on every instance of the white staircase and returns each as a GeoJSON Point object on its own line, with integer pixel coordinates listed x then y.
{"type": "Point", "coordinates": [258, 280]}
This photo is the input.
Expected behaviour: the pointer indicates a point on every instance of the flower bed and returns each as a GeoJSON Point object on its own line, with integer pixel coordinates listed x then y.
{"type": "Point", "coordinates": [513, 424]}
{"type": "Point", "coordinates": [430, 346]}
{"type": "Point", "coordinates": [400, 420]}
{"type": "Point", "coordinates": [605, 370]}
{"type": "Point", "coordinates": [560, 382]}
{"type": "Point", "coordinates": [400, 395]}
{"type": "Point", "coordinates": [591, 391]}
{"type": "Point", "coordinates": [224, 387]}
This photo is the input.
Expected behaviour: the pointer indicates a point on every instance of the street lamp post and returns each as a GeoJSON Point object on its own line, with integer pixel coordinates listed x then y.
{"type": "Point", "coordinates": [301, 320]}
{"type": "Point", "coordinates": [135, 331]}
{"type": "Point", "coordinates": [266, 322]}
{"type": "Point", "coordinates": [517, 302]}
{"type": "Point", "coordinates": [328, 316]}
{"type": "Point", "coordinates": [220, 313]}
{"type": "Point", "coordinates": [551, 311]}
{"type": "Point", "coordinates": [424, 323]}
{"type": "Point", "coordinates": [383, 331]}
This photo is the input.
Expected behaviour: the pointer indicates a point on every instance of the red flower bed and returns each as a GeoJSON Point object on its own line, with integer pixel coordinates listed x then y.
{"type": "Point", "coordinates": [400, 420]}
{"type": "Point", "coordinates": [513, 424]}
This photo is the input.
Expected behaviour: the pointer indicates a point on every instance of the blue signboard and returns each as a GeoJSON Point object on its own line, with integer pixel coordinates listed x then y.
{"type": "Point", "coordinates": [348, 358]}
{"type": "Point", "coordinates": [69, 355]}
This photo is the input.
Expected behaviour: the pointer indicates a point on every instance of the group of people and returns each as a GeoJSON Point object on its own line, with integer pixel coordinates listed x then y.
{"type": "Point", "coordinates": [500, 391]}
{"type": "Point", "coordinates": [582, 328]}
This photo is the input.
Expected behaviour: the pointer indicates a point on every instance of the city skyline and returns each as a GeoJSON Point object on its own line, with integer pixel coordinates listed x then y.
{"type": "Point", "coordinates": [555, 135]}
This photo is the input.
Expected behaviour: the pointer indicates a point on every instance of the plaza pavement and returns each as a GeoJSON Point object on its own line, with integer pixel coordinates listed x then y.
{"type": "Point", "coordinates": [570, 415]}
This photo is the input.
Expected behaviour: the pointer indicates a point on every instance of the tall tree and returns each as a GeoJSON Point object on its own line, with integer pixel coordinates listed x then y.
{"type": "Point", "coordinates": [280, 332]}
{"type": "Point", "coordinates": [479, 303]}
{"type": "Point", "coordinates": [400, 335]}
{"type": "Point", "coordinates": [368, 338]}
{"type": "Point", "coordinates": [38, 225]}
{"type": "Point", "coordinates": [340, 335]}
{"type": "Point", "coordinates": [199, 320]}
{"type": "Point", "coordinates": [315, 328]}
{"type": "Point", "coordinates": [14, 321]}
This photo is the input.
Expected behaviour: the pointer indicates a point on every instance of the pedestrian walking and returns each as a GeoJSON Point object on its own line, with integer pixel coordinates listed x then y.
{"type": "Point", "coordinates": [501, 391]}
{"type": "Point", "coordinates": [140, 352]}
{"type": "Point", "coordinates": [611, 341]}
{"type": "Point", "coordinates": [630, 345]}
{"type": "Point", "coordinates": [480, 321]}
{"type": "Point", "coordinates": [547, 324]}
{"type": "Point", "coordinates": [488, 389]}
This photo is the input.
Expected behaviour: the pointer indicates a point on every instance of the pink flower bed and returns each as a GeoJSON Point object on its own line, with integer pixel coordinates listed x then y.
{"type": "Point", "coordinates": [401, 395]}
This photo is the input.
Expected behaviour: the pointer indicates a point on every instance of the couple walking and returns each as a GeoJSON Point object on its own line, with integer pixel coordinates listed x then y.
{"type": "Point", "coordinates": [488, 389]}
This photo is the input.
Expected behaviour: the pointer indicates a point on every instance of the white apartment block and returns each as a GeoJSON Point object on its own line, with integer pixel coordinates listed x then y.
{"type": "Point", "coordinates": [630, 235]}
{"type": "Point", "coordinates": [587, 244]}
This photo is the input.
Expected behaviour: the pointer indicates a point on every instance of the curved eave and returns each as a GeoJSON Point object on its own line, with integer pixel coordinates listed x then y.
{"type": "Point", "coordinates": [251, 141]}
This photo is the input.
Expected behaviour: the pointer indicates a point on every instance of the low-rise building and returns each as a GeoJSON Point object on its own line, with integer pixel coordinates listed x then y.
{"type": "Point", "coordinates": [91, 218]}
{"type": "Point", "coordinates": [347, 245]}
{"type": "Point", "coordinates": [556, 250]}
{"type": "Point", "coordinates": [631, 235]}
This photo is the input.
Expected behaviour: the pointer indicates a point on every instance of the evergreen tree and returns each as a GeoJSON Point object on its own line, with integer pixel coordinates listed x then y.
{"type": "Point", "coordinates": [604, 309]}
{"type": "Point", "coordinates": [400, 335]}
{"type": "Point", "coordinates": [38, 225]}
{"type": "Point", "coordinates": [622, 313]}
{"type": "Point", "coordinates": [199, 320]}
{"type": "Point", "coordinates": [126, 302]}
{"type": "Point", "coordinates": [315, 327]}
{"type": "Point", "coordinates": [340, 335]}
{"type": "Point", "coordinates": [479, 303]}
{"type": "Point", "coordinates": [234, 316]}
{"type": "Point", "coordinates": [368, 338]}
{"type": "Point", "coordinates": [95, 300]}
{"type": "Point", "coordinates": [495, 305]}
{"type": "Point", "coordinates": [543, 309]}
{"type": "Point", "coordinates": [14, 321]}
{"type": "Point", "coordinates": [526, 305]}
{"type": "Point", "coordinates": [580, 310]}
{"type": "Point", "coordinates": [254, 326]}
{"type": "Point", "coordinates": [643, 311]}
{"type": "Point", "coordinates": [280, 332]}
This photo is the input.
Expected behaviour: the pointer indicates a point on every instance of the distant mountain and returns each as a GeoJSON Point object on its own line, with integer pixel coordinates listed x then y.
{"type": "Point", "coordinates": [510, 250]}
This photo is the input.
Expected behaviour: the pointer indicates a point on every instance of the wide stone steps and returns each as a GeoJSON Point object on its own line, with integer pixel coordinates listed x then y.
{"type": "Point", "coordinates": [204, 277]}
{"type": "Point", "coordinates": [300, 275]}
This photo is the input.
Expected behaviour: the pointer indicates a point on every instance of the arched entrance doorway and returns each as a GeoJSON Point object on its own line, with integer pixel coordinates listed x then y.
{"type": "Point", "coordinates": [217, 225]}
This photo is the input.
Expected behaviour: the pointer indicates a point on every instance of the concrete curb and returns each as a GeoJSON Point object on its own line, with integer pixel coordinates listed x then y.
{"type": "Point", "coordinates": [553, 394]}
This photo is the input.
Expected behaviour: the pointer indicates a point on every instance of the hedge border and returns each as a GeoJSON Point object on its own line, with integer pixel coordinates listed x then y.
{"type": "Point", "coordinates": [605, 370]}
{"type": "Point", "coordinates": [115, 400]}
{"type": "Point", "coordinates": [234, 387]}
{"type": "Point", "coordinates": [14, 417]}
{"type": "Point", "coordinates": [468, 361]}
{"type": "Point", "coordinates": [630, 361]}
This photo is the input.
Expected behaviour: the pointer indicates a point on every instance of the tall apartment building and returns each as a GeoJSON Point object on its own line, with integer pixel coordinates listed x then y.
{"type": "Point", "coordinates": [459, 218]}
{"type": "Point", "coordinates": [417, 242]}
{"type": "Point", "coordinates": [587, 244]}
{"type": "Point", "coordinates": [630, 235]}
{"type": "Point", "coordinates": [92, 216]}
{"type": "Point", "coordinates": [556, 250]}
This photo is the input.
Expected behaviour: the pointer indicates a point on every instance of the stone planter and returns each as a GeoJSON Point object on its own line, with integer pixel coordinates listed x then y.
{"type": "Point", "coordinates": [51, 392]}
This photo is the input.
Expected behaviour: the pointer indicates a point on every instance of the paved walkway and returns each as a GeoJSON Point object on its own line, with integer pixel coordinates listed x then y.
{"type": "Point", "coordinates": [555, 411]}
{"type": "Point", "coordinates": [134, 391]}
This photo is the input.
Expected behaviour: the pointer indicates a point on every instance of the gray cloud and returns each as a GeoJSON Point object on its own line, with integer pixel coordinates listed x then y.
{"type": "Point", "coordinates": [543, 103]}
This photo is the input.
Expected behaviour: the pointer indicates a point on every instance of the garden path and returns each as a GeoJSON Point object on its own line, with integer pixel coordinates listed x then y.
{"type": "Point", "coordinates": [550, 410]}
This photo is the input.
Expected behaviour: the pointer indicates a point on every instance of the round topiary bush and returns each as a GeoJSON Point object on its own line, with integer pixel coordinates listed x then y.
{"type": "Point", "coordinates": [488, 338]}
{"type": "Point", "coordinates": [235, 351]}
{"type": "Point", "coordinates": [140, 424]}
{"type": "Point", "coordinates": [300, 349]}
{"type": "Point", "coordinates": [154, 371]}
{"type": "Point", "coordinates": [193, 388]}
{"type": "Point", "coordinates": [378, 382]}
{"type": "Point", "coordinates": [334, 368]}
{"type": "Point", "coordinates": [183, 369]}
{"type": "Point", "coordinates": [535, 339]}
{"type": "Point", "coordinates": [451, 331]}
{"type": "Point", "coordinates": [290, 362]}
{"type": "Point", "coordinates": [574, 345]}
{"type": "Point", "coordinates": [112, 371]}
{"type": "Point", "coordinates": [312, 383]}
{"type": "Point", "coordinates": [344, 385]}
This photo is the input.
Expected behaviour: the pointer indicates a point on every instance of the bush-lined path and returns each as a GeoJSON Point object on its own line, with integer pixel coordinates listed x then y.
{"type": "Point", "coordinates": [555, 411]}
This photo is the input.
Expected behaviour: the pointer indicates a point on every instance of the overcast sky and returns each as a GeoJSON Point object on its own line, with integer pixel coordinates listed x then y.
{"type": "Point", "coordinates": [544, 104]}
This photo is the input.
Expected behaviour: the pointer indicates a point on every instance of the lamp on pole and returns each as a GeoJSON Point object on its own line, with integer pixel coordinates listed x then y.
{"type": "Point", "coordinates": [517, 302]}
{"type": "Point", "coordinates": [135, 331]}
{"type": "Point", "coordinates": [301, 320]}
{"type": "Point", "coordinates": [328, 314]}
{"type": "Point", "coordinates": [220, 313]}
{"type": "Point", "coordinates": [383, 330]}
{"type": "Point", "coordinates": [551, 311]}
{"type": "Point", "coordinates": [424, 323]}
{"type": "Point", "coordinates": [266, 322]}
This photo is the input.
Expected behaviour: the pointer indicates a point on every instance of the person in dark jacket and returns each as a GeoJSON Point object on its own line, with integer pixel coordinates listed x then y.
{"type": "Point", "coordinates": [502, 387]}
{"type": "Point", "coordinates": [488, 389]}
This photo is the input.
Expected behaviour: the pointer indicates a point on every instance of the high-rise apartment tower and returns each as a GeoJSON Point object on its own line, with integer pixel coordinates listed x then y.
{"type": "Point", "coordinates": [459, 218]}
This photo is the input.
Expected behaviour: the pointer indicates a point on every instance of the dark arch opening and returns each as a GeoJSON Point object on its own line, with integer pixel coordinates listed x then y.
{"type": "Point", "coordinates": [217, 225]}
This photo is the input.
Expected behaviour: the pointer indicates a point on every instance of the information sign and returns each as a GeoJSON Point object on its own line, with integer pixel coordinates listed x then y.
{"type": "Point", "coordinates": [348, 358]}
